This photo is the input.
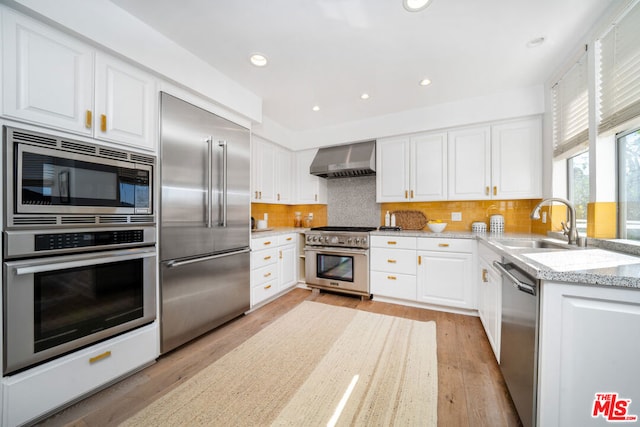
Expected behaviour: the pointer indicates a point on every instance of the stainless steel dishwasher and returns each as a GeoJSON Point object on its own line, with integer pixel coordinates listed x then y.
{"type": "Point", "coordinates": [519, 344]}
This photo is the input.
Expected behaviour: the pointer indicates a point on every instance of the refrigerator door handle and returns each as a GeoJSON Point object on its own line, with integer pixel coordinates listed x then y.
{"type": "Point", "coordinates": [172, 264]}
{"type": "Point", "coordinates": [223, 192]}
{"type": "Point", "coordinates": [209, 179]}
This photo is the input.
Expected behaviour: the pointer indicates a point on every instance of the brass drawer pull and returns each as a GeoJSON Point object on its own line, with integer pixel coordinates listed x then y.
{"type": "Point", "coordinates": [267, 275]}
{"type": "Point", "coordinates": [268, 287]}
{"type": "Point", "coordinates": [88, 120]}
{"type": "Point", "coordinates": [267, 258]}
{"type": "Point", "coordinates": [391, 242]}
{"type": "Point", "coordinates": [443, 245]}
{"type": "Point", "coordinates": [99, 357]}
{"type": "Point", "coordinates": [391, 261]}
{"type": "Point", "coordinates": [289, 239]}
{"type": "Point", "coordinates": [484, 275]}
{"type": "Point", "coordinates": [267, 243]}
{"type": "Point", "coordinates": [391, 277]}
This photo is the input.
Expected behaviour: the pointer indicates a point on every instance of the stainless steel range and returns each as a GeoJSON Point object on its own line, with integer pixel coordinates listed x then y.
{"type": "Point", "coordinates": [337, 258]}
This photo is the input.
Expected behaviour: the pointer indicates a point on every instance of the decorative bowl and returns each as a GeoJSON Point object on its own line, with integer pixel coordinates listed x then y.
{"type": "Point", "coordinates": [437, 227]}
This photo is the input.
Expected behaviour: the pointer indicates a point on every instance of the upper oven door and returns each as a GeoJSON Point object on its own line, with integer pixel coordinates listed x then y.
{"type": "Point", "coordinates": [59, 182]}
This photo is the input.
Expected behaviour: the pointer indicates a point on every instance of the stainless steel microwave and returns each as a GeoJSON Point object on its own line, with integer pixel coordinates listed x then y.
{"type": "Point", "coordinates": [53, 181]}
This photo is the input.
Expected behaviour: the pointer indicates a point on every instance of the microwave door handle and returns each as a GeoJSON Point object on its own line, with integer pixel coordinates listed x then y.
{"type": "Point", "coordinates": [223, 190]}
{"type": "Point", "coordinates": [209, 180]}
{"type": "Point", "coordinates": [100, 259]}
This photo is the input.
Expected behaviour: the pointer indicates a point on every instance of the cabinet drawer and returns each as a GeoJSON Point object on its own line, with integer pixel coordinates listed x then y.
{"type": "Point", "coordinates": [394, 260]}
{"type": "Point", "coordinates": [264, 274]}
{"type": "Point", "coordinates": [394, 285]}
{"type": "Point", "coordinates": [453, 245]}
{"type": "Point", "coordinates": [397, 242]}
{"type": "Point", "coordinates": [287, 239]}
{"type": "Point", "coordinates": [263, 242]}
{"type": "Point", "coordinates": [261, 258]}
{"type": "Point", "coordinates": [36, 391]}
{"type": "Point", "coordinates": [263, 292]}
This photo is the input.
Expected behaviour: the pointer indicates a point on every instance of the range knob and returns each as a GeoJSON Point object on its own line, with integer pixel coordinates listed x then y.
{"type": "Point", "coordinates": [334, 240]}
{"type": "Point", "coordinates": [357, 240]}
{"type": "Point", "coordinates": [315, 238]}
{"type": "Point", "coordinates": [349, 240]}
{"type": "Point", "coordinates": [364, 240]}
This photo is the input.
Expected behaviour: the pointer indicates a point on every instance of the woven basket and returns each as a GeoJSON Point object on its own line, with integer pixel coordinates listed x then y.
{"type": "Point", "coordinates": [410, 220]}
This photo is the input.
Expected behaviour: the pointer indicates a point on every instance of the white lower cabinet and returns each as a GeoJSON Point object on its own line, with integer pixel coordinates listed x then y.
{"type": "Point", "coordinates": [30, 394]}
{"type": "Point", "coordinates": [273, 266]}
{"type": "Point", "coordinates": [393, 267]}
{"type": "Point", "coordinates": [490, 296]}
{"type": "Point", "coordinates": [445, 272]}
{"type": "Point", "coordinates": [588, 346]}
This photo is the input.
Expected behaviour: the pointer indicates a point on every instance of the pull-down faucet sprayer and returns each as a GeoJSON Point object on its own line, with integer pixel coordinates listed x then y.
{"type": "Point", "coordinates": [571, 231]}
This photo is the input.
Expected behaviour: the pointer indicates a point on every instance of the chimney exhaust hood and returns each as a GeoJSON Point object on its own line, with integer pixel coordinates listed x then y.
{"type": "Point", "coordinates": [344, 161]}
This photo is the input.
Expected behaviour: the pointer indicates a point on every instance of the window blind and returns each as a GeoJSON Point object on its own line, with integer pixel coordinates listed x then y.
{"type": "Point", "coordinates": [571, 109]}
{"type": "Point", "coordinates": [619, 98]}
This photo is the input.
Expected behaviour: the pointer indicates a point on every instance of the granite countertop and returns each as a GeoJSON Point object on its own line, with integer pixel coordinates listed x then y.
{"type": "Point", "coordinates": [276, 231]}
{"type": "Point", "coordinates": [602, 262]}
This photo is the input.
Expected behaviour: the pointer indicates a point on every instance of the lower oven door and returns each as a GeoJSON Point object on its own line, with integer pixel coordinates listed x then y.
{"type": "Point", "coordinates": [341, 269]}
{"type": "Point", "coordinates": [55, 305]}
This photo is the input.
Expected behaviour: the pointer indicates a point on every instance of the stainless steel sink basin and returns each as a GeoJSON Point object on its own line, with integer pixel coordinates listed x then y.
{"type": "Point", "coordinates": [533, 244]}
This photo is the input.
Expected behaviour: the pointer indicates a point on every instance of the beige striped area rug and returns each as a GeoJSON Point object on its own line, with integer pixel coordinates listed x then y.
{"type": "Point", "coordinates": [316, 365]}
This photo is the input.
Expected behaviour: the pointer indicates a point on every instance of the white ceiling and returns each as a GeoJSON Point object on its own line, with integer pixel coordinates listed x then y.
{"type": "Point", "coordinates": [328, 52]}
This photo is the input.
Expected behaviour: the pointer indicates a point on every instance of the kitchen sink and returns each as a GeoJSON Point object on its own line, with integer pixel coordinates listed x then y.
{"type": "Point", "coordinates": [532, 244]}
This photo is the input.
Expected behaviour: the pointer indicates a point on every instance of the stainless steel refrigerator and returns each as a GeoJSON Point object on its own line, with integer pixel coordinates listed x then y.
{"type": "Point", "coordinates": [204, 221]}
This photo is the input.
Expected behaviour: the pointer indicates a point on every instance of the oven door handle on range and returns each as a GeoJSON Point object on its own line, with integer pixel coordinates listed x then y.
{"type": "Point", "coordinates": [50, 264]}
{"type": "Point", "coordinates": [336, 250]}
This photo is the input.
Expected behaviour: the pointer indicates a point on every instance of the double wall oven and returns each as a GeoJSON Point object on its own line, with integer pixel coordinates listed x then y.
{"type": "Point", "coordinates": [79, 259]}
{"type": "Point", "coordinates": [337, 258]}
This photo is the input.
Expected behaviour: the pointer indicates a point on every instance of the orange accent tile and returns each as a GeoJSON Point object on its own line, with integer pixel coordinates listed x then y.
{"type": "Point", "coordinates": [283, 215]}
{"type": "Point", "coordinates": [602, 220]}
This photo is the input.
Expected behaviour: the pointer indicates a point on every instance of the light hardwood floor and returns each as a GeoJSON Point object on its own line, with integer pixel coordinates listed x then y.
{"type": "Point", "coordinates": [471, 391]}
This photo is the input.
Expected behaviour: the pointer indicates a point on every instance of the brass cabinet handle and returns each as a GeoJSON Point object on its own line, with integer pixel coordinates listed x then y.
{"type": "Point", "coordinates": [99, 357]}
{"type": "Point", "coordinates": [391, 242]}
{"type": "Point", "coordinates": [392, 277]}
{"type": "Point", "coordinates": [88, 119]}
{"type": "Point", "coordinates": [256, 195]}
{"type": "Point", "coordinates": [412, 194]}
{"type": "Point", "coordinates": [260, 193]}
{"type": "Point", "coordinates": [486, 191]}
{"type": "Point", "coordinates": [289, 239]}
{"type": "Point", "coordinates": [280, 255]}
{"type": "Point", "coordinates": [278, 196]}
{"type": "Point", "coordinates": [391, 261]}
{"type": "Point", "coordinates": [103, 122]}
{"type": "Point", "coordinates": [406, 194]}
{"type": "Point", "coordinates": [495, 190]}
{"type": "Point", "coordinates": [267, 258]}
{"type": "Point", "coordinates": [268, 287]}
{"type": "Point", "coordinates": [484, 275]}
{"type": "Point", "coordinates": [267, 275]}
{"type": "Point", "coordinates": [419, 259]}
{"type": "Point", "coordinates": [315, 197]}
{"type": "Point", "coordinates": [443, 245]}
{"type": "Point", "coordinates": [267, 243]}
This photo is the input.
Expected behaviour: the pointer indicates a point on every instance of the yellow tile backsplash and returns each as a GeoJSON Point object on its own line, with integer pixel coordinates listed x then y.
{"type": "Point", "coordinates": [602, 220]}
{"type": "Point", "coordinates": [283, 215]}
{"type": "Point", "coordinates": [515, 212]}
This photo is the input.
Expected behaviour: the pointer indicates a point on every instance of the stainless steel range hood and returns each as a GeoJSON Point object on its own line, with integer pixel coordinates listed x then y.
{"type": "Point", "coordinates": [343, 161]}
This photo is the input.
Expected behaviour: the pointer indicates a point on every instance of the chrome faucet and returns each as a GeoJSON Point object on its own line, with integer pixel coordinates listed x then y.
{"type": "Point", "coordinates": [571, 231]}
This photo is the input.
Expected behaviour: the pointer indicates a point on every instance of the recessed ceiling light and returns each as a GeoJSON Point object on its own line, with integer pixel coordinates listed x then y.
{"type": "Point", "coordinates": [535, 42]}
{"type": "Point", "coordinates": [425, 82]}
{"type": "Point", "coordinates": [364, 96]}
{"type": "Point", "coordinates": [258, 59]}
{"type": "Point", "coordinates": [316, 108]}
{"type": "Point", "coordinates": [415, 5]}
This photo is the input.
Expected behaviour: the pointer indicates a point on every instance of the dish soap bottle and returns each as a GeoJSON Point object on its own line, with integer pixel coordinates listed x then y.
{"type": "Point", "coordinates": [393, 220]}
{"type": "Point", "coordinates": [387, 220]}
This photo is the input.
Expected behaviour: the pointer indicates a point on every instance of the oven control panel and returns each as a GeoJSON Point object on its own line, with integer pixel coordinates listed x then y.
{"type": "Point", "coordinates": [48, 242]}
{"type": "Point", "coordinates": [347, 240]}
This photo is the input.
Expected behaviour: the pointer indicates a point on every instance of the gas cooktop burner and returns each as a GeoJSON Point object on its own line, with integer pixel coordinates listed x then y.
{"type": "Point", "coordinates": [341, 228]}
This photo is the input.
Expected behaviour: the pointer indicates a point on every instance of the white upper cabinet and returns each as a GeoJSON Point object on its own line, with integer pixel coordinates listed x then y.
{"type": "Point", "coordinates": [48, 79]}
{"type": "Point", "coordinates": [411, 169]}
{"type": "Point", "coordinates": [47, 76]}
{"type": "Point", "coordinates": [516, 159]}
{"type": "Point", "coordinates": [309, 188]}
{"type": "Point", "coordinates": [125, 103]}
{"type": "Point", "coordinates": [470, 164]}
{"type": "Point", "coordinates": [271, 173]}
{"type": "Point", "coordinates": [501, 161]}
